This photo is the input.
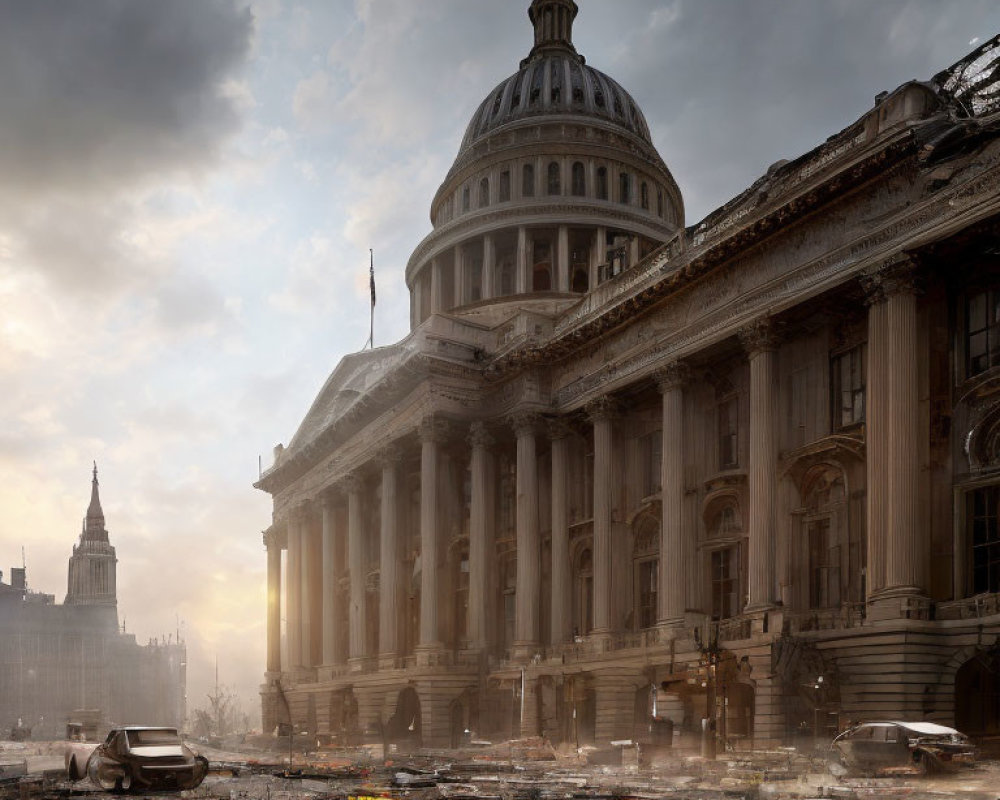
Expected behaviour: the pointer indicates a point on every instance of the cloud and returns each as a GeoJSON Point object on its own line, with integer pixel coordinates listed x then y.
{"type": "Point", "coordinates": [103, 93]}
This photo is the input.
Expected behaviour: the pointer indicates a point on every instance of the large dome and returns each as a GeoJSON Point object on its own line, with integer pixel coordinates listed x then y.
{"type": "Point", "coordinates": [557, 188]}
{"type": "Point", "coordinates": [556, 83]}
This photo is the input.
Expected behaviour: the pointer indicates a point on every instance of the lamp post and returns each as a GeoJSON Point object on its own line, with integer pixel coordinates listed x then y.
{"type": "Point", "coordinates": [708, 662]}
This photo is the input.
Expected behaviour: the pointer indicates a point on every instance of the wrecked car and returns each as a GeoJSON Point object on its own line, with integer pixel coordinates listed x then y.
{"type": "Point", "coordinates": [137, 759]}
{"type": "Point", "coordinates": [912, 747]}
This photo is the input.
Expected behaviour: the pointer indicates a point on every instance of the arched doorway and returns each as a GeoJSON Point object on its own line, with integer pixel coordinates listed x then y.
{"type": "Point", "coordinates": [404, 726]}
{"type": "Point", "coordinates": [977, 695]}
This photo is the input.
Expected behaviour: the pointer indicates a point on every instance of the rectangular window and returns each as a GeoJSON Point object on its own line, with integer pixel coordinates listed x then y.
{"type": "Point", "coordinates": [646, 583]}
{"type": "Point", "coordinates": [650, 456]}
{"type": "Point", "coordinates": [728, 434]}
{"type": "Point", "coordinates": [982, 332]}
{"type": "Point", "coordinates": [847, 387]}
{"type": "Point", "coordinates": [724, 583]}
{"type": "Point", "coordinates": [504, 186]}
{"type": "Point", "coordinates": [983, 538]}
{"type": "Point", "coordinates": [824, 566]}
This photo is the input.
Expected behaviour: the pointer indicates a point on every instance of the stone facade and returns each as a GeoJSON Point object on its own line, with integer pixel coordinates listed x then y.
{"type": "Point", "coordinates": [630, 471]}
{"type": "Point", "coordinates": [57, 660]}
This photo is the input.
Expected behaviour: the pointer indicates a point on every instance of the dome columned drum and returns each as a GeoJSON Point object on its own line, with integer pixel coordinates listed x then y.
{"type": "Point", "coordinates": [556, 188]}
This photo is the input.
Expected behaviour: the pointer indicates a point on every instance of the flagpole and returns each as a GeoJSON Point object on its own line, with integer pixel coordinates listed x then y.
{"type": "Point", "coordinates": [371, 286]}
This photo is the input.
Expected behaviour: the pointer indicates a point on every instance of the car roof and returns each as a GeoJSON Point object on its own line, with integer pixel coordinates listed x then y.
{"type": "Point", "coordinates": [925, 727]}
{"type": "Point", "coordinates": [146, 728]}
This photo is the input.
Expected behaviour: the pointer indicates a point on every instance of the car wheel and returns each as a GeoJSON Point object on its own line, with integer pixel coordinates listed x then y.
{"type": "Point", "coordinates": [74, 773]}
{"type": "Point", "coordinates": [920, 761]}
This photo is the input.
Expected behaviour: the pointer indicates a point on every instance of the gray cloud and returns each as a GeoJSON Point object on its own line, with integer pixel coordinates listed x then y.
{"type": "Point", "coordinates": [101, 93]}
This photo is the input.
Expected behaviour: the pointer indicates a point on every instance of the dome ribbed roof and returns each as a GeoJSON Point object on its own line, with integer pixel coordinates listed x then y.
{"type": "Point", "coordinates": [556, 83]}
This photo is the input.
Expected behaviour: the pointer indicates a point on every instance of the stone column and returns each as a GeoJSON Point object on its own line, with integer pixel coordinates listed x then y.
{"type": "Point", "coordinates": [489, 267]}
{"type": "Point", "coordinates": [602, 412]}
{"type": "Point", "coordinates": [599, 255]}
{"type": "Point", "coordinates": [480, 536]}
{"type": "Point", "coordinates": [672, 589]}
{"type": "Point", "coordinates": [459, 268]}
{"type": "Point", "coordinates": [329, 582]}
{"type": "Point", "coordinates": [562, 617]}
{"type": "Point", "coordinates": [562, 260]}
{"type": "Point", "coordinates": [437, 286]}
{"type": "Point", "coordinates": [293, 592]}
{"type": "Point", "coordinates": [388, 640]}
{"type": "Point", "coordinates": [876, 433]}
{"type": "Point", "coordinates": [273, 544]}
{"type": "Point", "coordinates": [760, 341]}
{"type": "Point", "coordinates": [528, 596]}
{"type": "Point", "coordinates": [523, 277]}
{"type": "Point", "coordinates": [354, 486]}
{"type": "Point", "coordinates": [906, 550]}
{"type": "Point", "coordinates": [432, 432]}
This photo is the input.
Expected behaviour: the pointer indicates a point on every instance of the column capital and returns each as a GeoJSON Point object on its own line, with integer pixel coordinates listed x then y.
{"type": "Point", "coordinates": [328, 497]}
{"type": "Point", "coordinates": [760, 336]}
{"type": "Point", "coordinates": [604, 407]}
{"type": "Point", "coordinates": [674, 375]}
{"type": "Point", "coordinates": [479, 436]}
{"type": "Point", "coordinates": [352, 483]}
{"type": "Point", "coordinates": [559, 428]}
{"type": "Point", "coordinates": [433, 429]}
{"type": "Point", "coordinates": [273, 537]}
{"type": "Point", "coordinates": [389, 456]}
{"type": "Point", "coordinates": [525, 423]}
{"type": "Point", "coordinates": [895, 275]}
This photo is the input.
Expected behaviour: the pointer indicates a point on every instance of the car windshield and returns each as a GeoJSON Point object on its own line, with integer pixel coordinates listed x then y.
{"type": "Point", "coordinates": [146, 738]}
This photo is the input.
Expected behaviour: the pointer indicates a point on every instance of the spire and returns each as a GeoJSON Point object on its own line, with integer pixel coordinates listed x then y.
{"type": "Point", "coordinates": [95, 515]}
{"type": "Point", "coordinates": [553, 22]}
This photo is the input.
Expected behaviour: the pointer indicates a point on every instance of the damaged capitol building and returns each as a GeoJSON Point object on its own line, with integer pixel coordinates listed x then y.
{"type": "Point", "coordinates": [624, 473]}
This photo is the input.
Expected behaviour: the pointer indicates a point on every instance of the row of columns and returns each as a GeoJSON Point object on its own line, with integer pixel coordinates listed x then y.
{"type": "Point", "coordinates": [895, 558]}
{"type": "Point", "coordinates": [523, 275]}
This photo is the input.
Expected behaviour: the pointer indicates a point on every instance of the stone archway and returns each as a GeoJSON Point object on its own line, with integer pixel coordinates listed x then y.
{"type": "Point", "coordinates": [977, 694]}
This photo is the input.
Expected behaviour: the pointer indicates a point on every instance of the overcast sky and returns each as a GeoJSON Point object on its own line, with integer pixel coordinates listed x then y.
{"type": "Point", "coordinates": [188, 192]}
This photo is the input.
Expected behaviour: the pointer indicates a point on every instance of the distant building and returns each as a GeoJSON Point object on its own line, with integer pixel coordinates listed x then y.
{"type": "Point", "coordinates": [746, 469]}
{"type": "Point", "coordinates": [57, 661]}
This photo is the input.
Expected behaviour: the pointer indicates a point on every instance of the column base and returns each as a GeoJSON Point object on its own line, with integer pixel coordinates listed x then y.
{"type": "Point", "coordinates": [358, 664]}
{"type": "Point", "coordinates": [899, 602]}
{"type": "Point", "coordinates": [525, 651]}
{"type": "Point", "coordinates": [429, 655]}
{"type": "Point", "coordinates": [388, 661]}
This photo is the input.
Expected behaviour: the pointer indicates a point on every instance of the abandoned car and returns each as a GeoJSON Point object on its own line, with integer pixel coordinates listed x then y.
{"type": "Point", "coordinates": [914, 747]}
{"type": "Point", "coordinates": [137, 759]}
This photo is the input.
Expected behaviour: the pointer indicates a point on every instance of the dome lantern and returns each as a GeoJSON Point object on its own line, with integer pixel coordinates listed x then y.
{"type": "Point", "coordinates": [553, 23]}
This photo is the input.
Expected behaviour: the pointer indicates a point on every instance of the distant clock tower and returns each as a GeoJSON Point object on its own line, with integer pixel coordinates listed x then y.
{"type": "Point", "coordinates": [92, 565]}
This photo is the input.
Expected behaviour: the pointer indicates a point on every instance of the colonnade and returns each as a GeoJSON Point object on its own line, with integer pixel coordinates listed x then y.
{"type": "Point", "coordinates": [451, 266]}
{"type": "Point", "coordinates": [896, 558]}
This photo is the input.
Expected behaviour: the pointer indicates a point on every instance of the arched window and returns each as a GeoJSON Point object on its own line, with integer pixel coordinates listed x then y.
{"type": "Point", "coordinates": [484, 192]}
{"type": "Point", "coordinates": [824, 499]}
{"type": "Point", "coordinates": [579, 179]}
{"type": "Point", "coordinates": [465, 198]}
{"type": "Point", "coordinates": [624, 188]}
{"type": "Point", "coordinates": [602, 183]}
{"type": "Point", "coordinates": [644, 196]}
{"type": "Point", "coordinates": [659, 203]}
{"type": "Point", "coordinates": [528, 180]}
{"type": "Point", "coordinates": [554, 184]}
